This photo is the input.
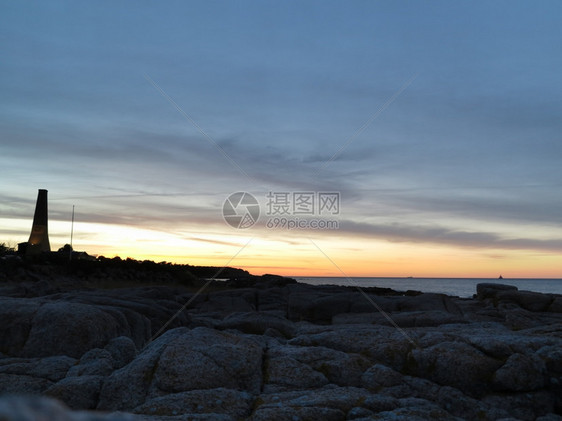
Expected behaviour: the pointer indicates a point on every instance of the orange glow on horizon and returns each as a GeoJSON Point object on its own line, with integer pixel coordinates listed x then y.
{"type": "Point", "coordinates": [297, 256]}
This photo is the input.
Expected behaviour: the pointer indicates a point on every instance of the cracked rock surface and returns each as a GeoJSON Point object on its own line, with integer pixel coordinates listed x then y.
{"type": "Point", "coordinates": [279, 352]}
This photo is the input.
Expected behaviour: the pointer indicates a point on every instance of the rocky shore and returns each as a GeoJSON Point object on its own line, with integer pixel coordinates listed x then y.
{"type": "Point", "coordinates": [268, 348]}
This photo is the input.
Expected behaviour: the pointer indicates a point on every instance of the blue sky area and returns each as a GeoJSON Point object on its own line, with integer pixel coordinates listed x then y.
{"type": "Point", "coordinates": [462, 100]}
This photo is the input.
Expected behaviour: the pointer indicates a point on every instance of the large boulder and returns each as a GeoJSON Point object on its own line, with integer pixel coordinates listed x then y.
{"type": "Point", "coordinates": [62, 328]}
{"type": "Point", "coordinates": [552, 357]}
{"type": "Point", "coordinates": [272, 299]}
{"type": "Point", "coordinates": [455, 364]}
{"type": "Point", "coordinates": [71, 325]}
{"type": "Point", "coordinates": [122, 350]}
{"type": "Point", "coordinates": [49, 368]}
{"type": "Point", "coordinates": [95, 362]}
{"type": "Point", "coordinates": [81, 392]}
{"type": "Point", "coordinates": [521, 373]}
{"type": "Point", "coordinates": [340, 368]}
{"type": "Point", "coordinates": [364, 304]}
{"type": "Point", "coordinates": [500, 343]}
{"type": "Point", "coordinates": [379, 376]}
{"type": "Point", "coordinates": [379, 344]}
{"type": "Point", "coordinates": [257, 323]}
{"type": "Point", "coordinates": [128, 387]}
{"type": "Point", "coordinates": [532, 301]}
{"type": "Point", "coordinates": [22, 384]}
{"type": "Point", "coordinates": [302, 306]}
{"type": "Point", "coordinates": [428, 302]}
{"type": "Point", "coordinates": [143, 315]}
{"type": "Point", "coordinates": [284, 373]}
{"type": "Point", "coordinates": [183, 360]}
{"type": "Point", "coordinates": [225, 303]}
{"type": "Point", "coordinates": [33, 375]}
{"type": "Point", "coordinates": [490, 290]}
{"type": "Point", "coordinates": [205, 359]}
{"type": "Point", "coordinates": [17, 317]}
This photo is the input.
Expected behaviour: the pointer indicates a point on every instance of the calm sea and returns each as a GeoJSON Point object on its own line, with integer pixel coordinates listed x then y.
{"type": "Point", "coordinates": [461, 287]}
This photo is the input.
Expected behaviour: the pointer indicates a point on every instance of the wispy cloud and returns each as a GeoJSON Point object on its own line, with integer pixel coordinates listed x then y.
{"type": "Point", "coordinates": [445, 236]}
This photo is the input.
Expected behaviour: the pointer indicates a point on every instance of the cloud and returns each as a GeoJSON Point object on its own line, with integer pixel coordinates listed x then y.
{"type": "Point", "coordinates": [505, 204]}
{"type": "Point", "coordinates": [207, 240]}
{"type": "Point", "coordinates": [444, 236]}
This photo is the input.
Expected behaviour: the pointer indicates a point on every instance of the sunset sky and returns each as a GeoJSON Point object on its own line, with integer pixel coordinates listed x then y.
{"type": "Point", "coordinates": [438, 123]}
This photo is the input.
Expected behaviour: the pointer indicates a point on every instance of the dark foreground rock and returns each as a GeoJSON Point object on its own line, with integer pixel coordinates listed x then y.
{"type": "Point", "coordinates": [280, 351]}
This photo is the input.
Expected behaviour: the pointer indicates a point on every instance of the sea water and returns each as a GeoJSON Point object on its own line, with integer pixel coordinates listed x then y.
{"type": "Point", "coordinates": [460, 287]}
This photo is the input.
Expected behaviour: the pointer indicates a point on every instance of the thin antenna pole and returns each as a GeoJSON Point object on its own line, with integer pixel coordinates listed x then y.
{"type": "Point", "coordinates": [71, 234]}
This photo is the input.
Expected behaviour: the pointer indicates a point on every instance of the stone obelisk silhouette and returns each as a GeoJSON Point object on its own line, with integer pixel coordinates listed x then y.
{"type": "Point", "coordinates": [39, 237]}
